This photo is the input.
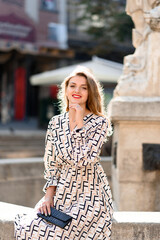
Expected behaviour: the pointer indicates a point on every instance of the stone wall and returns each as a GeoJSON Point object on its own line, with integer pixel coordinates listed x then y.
{"type": "Point", "coordinates": [21, 180]}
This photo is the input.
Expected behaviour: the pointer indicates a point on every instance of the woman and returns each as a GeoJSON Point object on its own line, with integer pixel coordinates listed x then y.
{"type": "Point", "coordinates": [76, 182]}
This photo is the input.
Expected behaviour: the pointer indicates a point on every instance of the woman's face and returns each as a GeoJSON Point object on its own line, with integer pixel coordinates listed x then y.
{"type": "Point", "coordinates": [77, 90]}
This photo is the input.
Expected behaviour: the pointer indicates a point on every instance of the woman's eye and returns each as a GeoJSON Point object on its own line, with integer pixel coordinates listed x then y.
{"type": "Point", "coordinates": [71, 86]}
{"type": "Point", "coordinates": [84, 88]}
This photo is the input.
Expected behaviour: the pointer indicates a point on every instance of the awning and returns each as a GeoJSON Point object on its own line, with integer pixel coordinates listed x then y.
{"type": "Point", "coordinates": [104, 70]}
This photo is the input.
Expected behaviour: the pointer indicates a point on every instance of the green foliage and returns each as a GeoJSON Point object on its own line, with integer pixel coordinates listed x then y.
{"type": "Point", "coordinates": [123, 27]}
{"type": "Point", "coordinates": [107, 23]}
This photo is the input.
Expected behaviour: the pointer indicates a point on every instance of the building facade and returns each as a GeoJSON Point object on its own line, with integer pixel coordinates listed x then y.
{"type": "Point", "coordinates": [33, 39]}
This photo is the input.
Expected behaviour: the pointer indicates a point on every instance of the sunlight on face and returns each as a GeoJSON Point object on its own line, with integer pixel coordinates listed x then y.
{"type": "Point", "coordinates": [77, 90]}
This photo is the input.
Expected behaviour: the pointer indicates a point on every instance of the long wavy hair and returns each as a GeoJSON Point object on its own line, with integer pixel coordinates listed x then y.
{"type": "Point", "coordinates": [95, 92]}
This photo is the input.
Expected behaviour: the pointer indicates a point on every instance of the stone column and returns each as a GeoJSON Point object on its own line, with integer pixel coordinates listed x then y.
{"type": "Point", "coordinates": [135, 113]}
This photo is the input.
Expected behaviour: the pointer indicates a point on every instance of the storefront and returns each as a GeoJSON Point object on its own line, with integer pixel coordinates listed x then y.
{"type": "Point", "coordinates": [21, 55]}
{"type": "Point", "coordinates": [17, 40]}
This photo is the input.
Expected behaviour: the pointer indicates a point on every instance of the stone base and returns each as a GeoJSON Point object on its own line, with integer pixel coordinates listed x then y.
{"type": "Point", "coordinates": [136, 121]}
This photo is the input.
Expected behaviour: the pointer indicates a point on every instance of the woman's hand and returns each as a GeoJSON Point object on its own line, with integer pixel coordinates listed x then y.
{"type": "Point", "coordinates": [48, 201]}
{"type": "Point", "coordinates": [76, 114]}
{"type": "Point", "coordinates": [45, 207]}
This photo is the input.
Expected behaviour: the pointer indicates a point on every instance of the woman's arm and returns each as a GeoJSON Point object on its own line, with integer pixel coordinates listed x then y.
{"type": "Point", "coordinates": [52, 168]}
{"type": "Point", "coordinates": [87, 144]}
{"type": "Point", "coordinates": [52, 171]}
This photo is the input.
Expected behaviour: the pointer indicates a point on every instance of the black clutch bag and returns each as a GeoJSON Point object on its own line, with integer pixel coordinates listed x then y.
{"type": "Point", "coordinates": [57, 217]}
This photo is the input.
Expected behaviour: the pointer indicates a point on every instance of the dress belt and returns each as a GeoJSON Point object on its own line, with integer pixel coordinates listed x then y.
{"type": "Point", "coordinates": [90, 164]}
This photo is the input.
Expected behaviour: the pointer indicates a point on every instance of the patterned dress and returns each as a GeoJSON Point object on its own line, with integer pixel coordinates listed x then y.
{"type": "Point", "coordinates": [72, 164]}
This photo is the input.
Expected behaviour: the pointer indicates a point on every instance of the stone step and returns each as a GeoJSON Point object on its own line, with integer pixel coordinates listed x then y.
{"type": "Point", "coordinates": [22, 147]}
{"type": "Point", "coordinates": [18, 147]}
{"type": "Point", "coordinates": [126, 225]}
{"type": "Point", "coordinates": [34, 140]}
{"type": "Point", "coordinates": [22, 136]}
{"type": "Point", "coordinates": [21, 154]}
{"type": "Point", "coordinates": [21, 144]}
{"type": "Point", "coordinates": [19, 140]}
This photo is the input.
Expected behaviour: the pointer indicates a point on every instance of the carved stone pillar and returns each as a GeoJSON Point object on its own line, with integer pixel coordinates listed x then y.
{"type": "Point", "coordinates": [136, 127]}
{"type": "Point", "coordinates": [135, 113]}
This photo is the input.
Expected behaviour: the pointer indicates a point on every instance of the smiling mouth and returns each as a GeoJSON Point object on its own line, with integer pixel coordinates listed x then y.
{"type": "Point", "coordinates": [76, 96]}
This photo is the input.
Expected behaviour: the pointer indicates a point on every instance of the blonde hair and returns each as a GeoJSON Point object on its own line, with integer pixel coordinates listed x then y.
{"type": "Point", "coordinates": [95, 92]}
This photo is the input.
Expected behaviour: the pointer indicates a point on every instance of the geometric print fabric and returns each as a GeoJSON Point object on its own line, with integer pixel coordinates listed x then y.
{"type": "Point", "coordinates": [72, 164]}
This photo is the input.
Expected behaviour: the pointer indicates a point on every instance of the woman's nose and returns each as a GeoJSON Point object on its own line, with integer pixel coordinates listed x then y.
{"type": "Point", "coordinates": [77, 89]}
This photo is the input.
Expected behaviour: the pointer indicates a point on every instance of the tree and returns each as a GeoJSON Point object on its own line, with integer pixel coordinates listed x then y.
{"type": "Point", "coordinates": [108, 24]}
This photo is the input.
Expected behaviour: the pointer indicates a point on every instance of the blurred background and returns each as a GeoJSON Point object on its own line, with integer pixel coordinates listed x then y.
{"type": "Point", "coordinates": [51, 37]}
{"type": "Point", "coordinates": [43, 35]}
{"type": "Point", "coordinates": [41, 42]}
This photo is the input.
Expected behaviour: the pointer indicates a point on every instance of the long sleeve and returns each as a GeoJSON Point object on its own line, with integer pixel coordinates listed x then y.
{"type": "Point", "coordinates": [87, 144]}
{"type": "Point", "coordinates": [52, 168]}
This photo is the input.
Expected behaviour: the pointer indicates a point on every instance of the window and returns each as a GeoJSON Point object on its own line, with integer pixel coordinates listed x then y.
{"type": "Point", "coordinates": [58, 33]}
{"type": "Point", "coordinates": [52, 32]}
{"type": "Point", "coordinates": [49, 5]}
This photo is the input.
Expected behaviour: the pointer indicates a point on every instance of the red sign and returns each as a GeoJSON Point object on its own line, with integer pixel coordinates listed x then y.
{"type": "Point", "coordinates": [20, 94]}
{"type": "Point", "coordinates": [16, 29]}
{"type": "Point", "coordinates": [53, 91]}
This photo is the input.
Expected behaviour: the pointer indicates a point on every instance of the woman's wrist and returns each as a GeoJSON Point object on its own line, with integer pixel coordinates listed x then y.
{"type": "Point", "coordinates": [51, 191]}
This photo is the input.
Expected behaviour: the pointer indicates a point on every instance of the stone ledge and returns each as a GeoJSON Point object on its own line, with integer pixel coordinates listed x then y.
{"type": "Point", "coordinates": [126, 225]}
{"type": "Point", "coordinates": [134, 108]}
{"type": "Point", "coordinates": [7, 215]}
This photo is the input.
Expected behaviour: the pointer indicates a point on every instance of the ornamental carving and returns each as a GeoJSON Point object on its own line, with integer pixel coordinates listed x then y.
{"type": "Point", "coordinates": [141, 70]}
